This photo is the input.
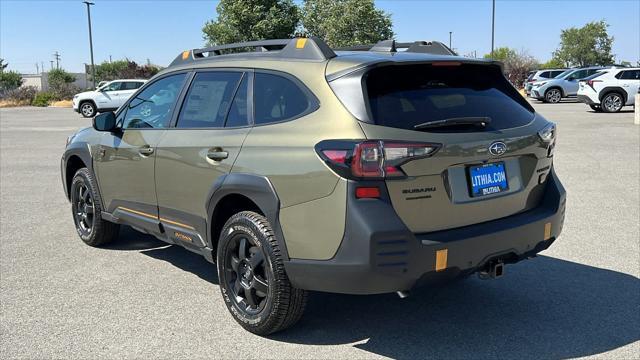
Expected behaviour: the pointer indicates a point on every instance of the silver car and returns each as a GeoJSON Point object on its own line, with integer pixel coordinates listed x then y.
{"type": "Point", "coordinates": [562, 86]}
{"type": "Point", "coordinates": [540, 75]}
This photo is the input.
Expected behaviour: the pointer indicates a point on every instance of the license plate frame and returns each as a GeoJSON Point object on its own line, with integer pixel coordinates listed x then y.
{"type": "Point", "coordinates": [487, 179]}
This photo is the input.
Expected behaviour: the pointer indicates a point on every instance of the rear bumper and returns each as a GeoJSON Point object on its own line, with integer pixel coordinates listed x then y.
{"type": "Point", "coordinates": [587, 100]}
{"type": "Point", "coordinates": [384, 256]}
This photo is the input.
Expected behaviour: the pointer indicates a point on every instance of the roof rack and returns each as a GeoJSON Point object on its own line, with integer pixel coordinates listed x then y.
{"type": "Point", "coordinates": [424, 47]}
{"type": "Point", "coordinates": [299, 48]}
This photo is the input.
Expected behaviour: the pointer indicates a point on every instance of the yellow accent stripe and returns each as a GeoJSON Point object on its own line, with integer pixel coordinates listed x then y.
{"type": "Point", "coordinates": [156, 218]}
{"type": "Point", "coordinates": [138, 212]}
{"type": "Point", "coordinates": [177, 223]}
{"type": "Point", "coordinates": [547, 231]}
{"type": "Point", "coordinates": [300, 43]}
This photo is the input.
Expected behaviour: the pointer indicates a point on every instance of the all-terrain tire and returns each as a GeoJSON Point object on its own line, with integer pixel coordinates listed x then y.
{"type": "Point", "coordinates": [243, 271]}
{"type": "Point", "coordinates": [86, 208]}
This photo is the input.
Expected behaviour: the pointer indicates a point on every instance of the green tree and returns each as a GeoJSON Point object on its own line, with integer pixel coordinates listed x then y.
{"type": "Point", "coordinates": [247, 20]}
{"type": "Point", "coordinates": [124, 69]}
{"type": "Point", "coordinates": [346, 22]}
{"type": "Point", "coordinates": [501, 53]}
{"type": "Point", "coordinates": [10, 80]}
{"type": "Point", "coordinates": [554, 63]}
{"type": "Point", "coordinates": [60, 84]}
{"type": "Point", "coordinates": [588, 45]}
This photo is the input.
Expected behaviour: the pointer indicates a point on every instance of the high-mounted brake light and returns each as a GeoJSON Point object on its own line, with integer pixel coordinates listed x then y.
{"type": "Point", "coordinates": [446, 63]}
{"type": "Point", "coordinates": [372, 159]}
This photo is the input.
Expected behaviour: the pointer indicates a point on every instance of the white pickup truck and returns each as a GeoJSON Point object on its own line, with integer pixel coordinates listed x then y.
{"type": "Point", "coordinates": [107, 97]}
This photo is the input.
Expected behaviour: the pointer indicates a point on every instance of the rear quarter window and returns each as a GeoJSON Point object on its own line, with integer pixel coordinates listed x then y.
{"type": "Point", "coordinates": [278, 98]}
{"type": "Point", "coordinates": [407, 95]}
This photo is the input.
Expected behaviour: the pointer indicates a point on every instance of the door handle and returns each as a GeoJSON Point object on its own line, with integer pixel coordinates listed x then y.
{"type": "Point", "coordinates": [145, 150]}
{"type": "Point", "coordinates": [217, 154]}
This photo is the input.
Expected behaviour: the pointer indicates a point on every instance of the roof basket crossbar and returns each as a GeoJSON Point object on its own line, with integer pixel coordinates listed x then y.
{"type": "Point", "coordinates": [424, 47]}
{"type": "Point", "coordinates": [311, 48]}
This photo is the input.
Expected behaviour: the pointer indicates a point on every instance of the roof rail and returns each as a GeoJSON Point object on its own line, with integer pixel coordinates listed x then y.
{"type": "Point", "coordinates": [300, 48]}
{"type": "Point", "coordinates": [425, 47]}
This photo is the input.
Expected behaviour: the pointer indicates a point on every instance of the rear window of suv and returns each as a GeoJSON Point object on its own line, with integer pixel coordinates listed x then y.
{"type": "Point", "coordinates": [407, 95]}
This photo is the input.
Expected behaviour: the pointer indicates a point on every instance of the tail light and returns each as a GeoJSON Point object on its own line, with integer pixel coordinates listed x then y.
{"type": "Point", "coordinates": [372, 159]}
{"type": "Point", "coordinates": [591, 82]}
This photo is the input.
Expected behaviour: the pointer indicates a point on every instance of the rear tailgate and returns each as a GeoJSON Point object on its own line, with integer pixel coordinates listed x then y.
{"type": "Point", "coordinates": [463, 183]}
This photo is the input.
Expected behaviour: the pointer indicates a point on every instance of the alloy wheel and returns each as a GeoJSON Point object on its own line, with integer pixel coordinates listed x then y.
{"type": "Point", "coordinates": [554, 95]}
{"type": "Point", "coordinates": [87, 110]}
{"type": "Point", "coordinates": [246, 274]}
{"type": "Point", "coordinates": [83, 209]}
{"type": "Point", "coordinates": [612, 102]}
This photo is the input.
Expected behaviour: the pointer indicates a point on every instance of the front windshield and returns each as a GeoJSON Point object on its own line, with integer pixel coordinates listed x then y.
{"type": "Point", "coordinates": [564, 73]}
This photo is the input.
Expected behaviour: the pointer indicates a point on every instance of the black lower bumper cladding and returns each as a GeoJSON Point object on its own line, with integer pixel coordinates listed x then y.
{"type": "Point", "coordinates": [384, 256]}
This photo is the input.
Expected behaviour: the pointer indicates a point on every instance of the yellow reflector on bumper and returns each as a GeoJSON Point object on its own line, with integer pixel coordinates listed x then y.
{"type": "Point", "coordinates": [300, 43]}
{"type": "Point", "coordinates": [547, 231]}
{"type": "Point", "coordinates": [441, 259]}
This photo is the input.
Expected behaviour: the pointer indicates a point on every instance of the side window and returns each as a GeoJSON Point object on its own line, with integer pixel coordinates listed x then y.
{"type": "Point", "coordinates": [545, 74]}
{"type": "Point", "coordinates": [114, 86]}
{"type": "Point", "coordinates": [629, 75]}
{"type": "Point", "coordinates": [239, 112]}
{"type": "Point", "coordinates": [152, 108]}
{"type": "Point", "coordinates": [556, 73]}
{"type": "Point", "coordinates": [277, 98]}
{"type": "Point", "coordinates": [131, 85]}
{"type": "Point", "coordinates": [208, 100]}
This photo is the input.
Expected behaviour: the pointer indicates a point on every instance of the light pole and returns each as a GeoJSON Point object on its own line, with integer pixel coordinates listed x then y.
{"type": "Point", "coordinates": [450, 32]}
{"type": "Point", "coordinates": [93, 67]}
{"type": "Point", "coordinates": [493, 25]}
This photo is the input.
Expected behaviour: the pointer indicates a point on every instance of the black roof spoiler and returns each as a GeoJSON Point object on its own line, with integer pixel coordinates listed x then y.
{"type": "Point", "coordinates": [424, 47]}
{"type": "Point", "coordinates": [300, 48]}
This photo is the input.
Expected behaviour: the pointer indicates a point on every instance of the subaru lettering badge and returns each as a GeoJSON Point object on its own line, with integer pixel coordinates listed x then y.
{"type": "Point", "coordinates": [497, 148]}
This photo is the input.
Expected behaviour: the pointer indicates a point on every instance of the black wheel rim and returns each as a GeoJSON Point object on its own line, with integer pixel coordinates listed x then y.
{"type": "Point", "coordinates": [83, 209]}
{"type": "Point", "coordinates": [246, 275]}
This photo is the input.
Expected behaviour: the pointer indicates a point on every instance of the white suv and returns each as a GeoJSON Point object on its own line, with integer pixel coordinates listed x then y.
{"type": "Point", "coordinates": [610, 89]}
{"type": "Point", "coordinates": [107, 97]}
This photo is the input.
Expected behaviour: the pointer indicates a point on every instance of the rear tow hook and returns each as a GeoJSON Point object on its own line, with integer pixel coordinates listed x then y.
{"type": "Point", "coordinates": [493, 270]}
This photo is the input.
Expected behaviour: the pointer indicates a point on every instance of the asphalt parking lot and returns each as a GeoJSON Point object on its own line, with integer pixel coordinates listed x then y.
{"type": "Point", "coordinates": [142, 298]}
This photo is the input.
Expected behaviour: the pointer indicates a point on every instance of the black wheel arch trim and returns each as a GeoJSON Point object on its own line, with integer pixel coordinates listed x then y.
{"type": "Point", "coordinates": [616, 89]}
{"type": "Point", "coordinates": [256, 188]}
{"type": "Point", "coordinates": [82, 151]}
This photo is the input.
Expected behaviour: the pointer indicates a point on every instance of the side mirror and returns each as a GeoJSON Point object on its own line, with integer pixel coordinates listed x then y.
{"type": "Point", "coordinates": [105, 122]}
{"type": "Point", "coordinates": [570, 78]}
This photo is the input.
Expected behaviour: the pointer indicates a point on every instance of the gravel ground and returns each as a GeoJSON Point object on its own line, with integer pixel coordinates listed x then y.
{"type": "Point", "coordinates": [143, 298]}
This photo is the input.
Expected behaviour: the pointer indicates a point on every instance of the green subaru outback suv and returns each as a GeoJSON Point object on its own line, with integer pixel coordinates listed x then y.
{"type": "Point", "coordinates": [295, 167]}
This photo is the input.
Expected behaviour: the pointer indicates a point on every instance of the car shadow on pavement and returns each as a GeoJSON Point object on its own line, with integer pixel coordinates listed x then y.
{"type": "Point", "coordinates": [132, 240]}
{"type": "Point", "coordinates": [542, 308]}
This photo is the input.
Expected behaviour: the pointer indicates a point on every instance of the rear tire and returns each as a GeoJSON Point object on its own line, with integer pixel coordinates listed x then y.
{"type": "Point", "coordinates": [86, 208]}
{"type": "Point", "coordinates": [87, 109]}
{"type": "Point", "coordinates": [612, 102]}
{"type": "Point", "coordinates": [253, 282]}
{"type": "Point", "coordinates": [553, 96]}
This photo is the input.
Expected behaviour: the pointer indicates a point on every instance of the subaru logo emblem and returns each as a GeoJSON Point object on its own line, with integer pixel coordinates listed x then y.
{"type": "Point", "coordinates": [497, 148]}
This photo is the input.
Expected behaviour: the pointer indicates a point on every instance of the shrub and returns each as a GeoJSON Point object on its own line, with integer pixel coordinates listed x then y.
{"type": "Point", "coordinates": [43, 98]}
{"type": "Point", "coordinates": [22, 95]}
{"type": "Point", "coordinates": [9, 80]}
{"type": "Point", "coordinates": [60, 84]}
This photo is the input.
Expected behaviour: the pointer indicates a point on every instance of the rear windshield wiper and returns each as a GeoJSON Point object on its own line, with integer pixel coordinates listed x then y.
{"type": "Point", "coordinates": [477, 120]}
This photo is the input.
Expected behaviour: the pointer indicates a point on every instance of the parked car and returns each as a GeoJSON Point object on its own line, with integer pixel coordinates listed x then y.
{"type": "Point", "coordinates": [107, 97]}
{"type": "Point", "coordinates": [562, 86]}
{"type": "Point", "coordinates": [299, 168]}
{"type": "Point", "coordinates": [541, 75]}
{"type": "Point", "coordinates": [610, 90]}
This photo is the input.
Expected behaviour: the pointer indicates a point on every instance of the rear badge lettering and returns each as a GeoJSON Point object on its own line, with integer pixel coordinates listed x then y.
{"type": "Point", "coordinates": [418, 191]}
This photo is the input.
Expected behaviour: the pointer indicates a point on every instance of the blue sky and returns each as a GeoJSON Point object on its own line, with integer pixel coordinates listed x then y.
{"type": "Point", "coordinates": [31, 31]}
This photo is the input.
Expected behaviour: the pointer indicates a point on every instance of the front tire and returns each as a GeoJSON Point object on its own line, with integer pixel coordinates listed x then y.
{"type": "Point", "coordinates": [86, 208]}
{"type": "Point", "coordinates": [612, 102]}
{"type": "Point", "coordinates": [253, 282]}
{"type": "Point", "coordinates": [87, 109]}
{"type": "Point", "coordinates": [553, 96]}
